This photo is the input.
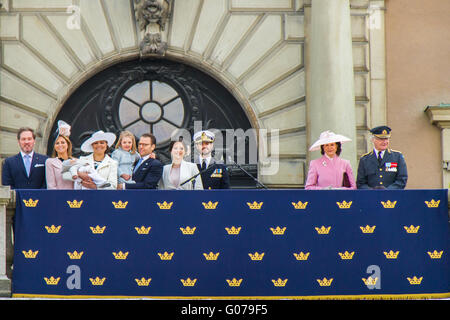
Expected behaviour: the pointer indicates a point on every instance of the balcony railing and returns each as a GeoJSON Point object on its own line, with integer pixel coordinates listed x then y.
{"type": "Point", "coordinates": [7, 211]}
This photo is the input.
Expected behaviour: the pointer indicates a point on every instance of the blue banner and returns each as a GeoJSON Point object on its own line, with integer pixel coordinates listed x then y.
{"type": "Point", "coordinates": [232, 244]}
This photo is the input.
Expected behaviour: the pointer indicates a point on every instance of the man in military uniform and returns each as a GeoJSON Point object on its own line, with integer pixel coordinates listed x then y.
{"type": "Point", "coordinates": [382, 168]}
{"type": "Point", "coordinates": [214, 174]}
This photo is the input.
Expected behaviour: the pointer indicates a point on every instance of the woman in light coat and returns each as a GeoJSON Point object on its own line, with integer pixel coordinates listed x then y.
{"type": "Point", "coordinates": [62, 150]}
{"type": "Point", "coordinates": [98, 144]}
{"type": "Point", "coordinates": [179, 171]}
{"type": "Point", "coordinates": [330, 171]}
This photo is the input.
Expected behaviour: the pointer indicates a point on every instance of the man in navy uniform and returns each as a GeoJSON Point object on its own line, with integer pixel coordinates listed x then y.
{"type": "Point", "coordinates": [214, 175]}
{"type": "Point", "coordinates": [382, 168]}
{"type": "Point", "coordinates": [25, 170]}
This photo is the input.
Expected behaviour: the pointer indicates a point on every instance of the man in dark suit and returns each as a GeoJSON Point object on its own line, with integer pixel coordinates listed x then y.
{"type": "Point", "coordinates": [214, 174]}
{"type": "Point", "coordinates": [382, 168]}
{"type": "Point", "coordinates": [26, 170]}
{"type": "Point", "coordinates": [148, 170]}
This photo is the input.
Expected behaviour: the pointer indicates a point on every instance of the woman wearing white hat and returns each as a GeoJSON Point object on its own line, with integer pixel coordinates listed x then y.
{"type": "Point", "coordinates": [98, 144]}
{"type": "Point", "coordinates": [330, 171]}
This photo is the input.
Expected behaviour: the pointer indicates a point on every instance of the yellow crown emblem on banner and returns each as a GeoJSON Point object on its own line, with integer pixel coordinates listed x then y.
{"type": "Point", "coordinates": [370, 281]}
{"type": "Point", "coordinates": [344, 204]}
{"type": "Point", "coordinates": [165, 205]}
{"type": "Point", "coordinates": [53, 229]}
{"type": "Point", "coordinates": [256, 256]}
{"type": "Point", "coordinates": [347, 255]}
{"type": "Point", "coordinates": [211, 256]}
{"type": "Point", "coordinates": [75, 204]}
{"type": "Point", "coordinates": [120, 255]}
{"type": "Point", "coordinates": [233, 230]}
{"type": "Point", "coordinates": [391, 254]}
{"type": "Point", "coordinates": [75, 255]}
{"type": "Point", "coordinates": [52, 281]}
{"type": "Point", "coordinates": [432, 203]}
{"type": "Point", "coordinates": [188, 282]}
{"type": "Point", "coordinates": [301, 256]}
{"type": "Point", "coordinates": [188, 230]}
{"type": "Point", "coordinates": [142, 230]}
{"type": "Point", "coordinates": [165, 255]}
{"type": "Point", "coordinates": [323, 230]}
{"type": "Point", "coordinates": [98, 229]}
{"type": "Point", "coordinates": [367, 229]}
{"type": "Point", "coordinates": [30, 203]}
{"type": "Point", "coordinates": [120, 204]}
{"type": "Point", "coordinates": [411, 229]}
{"type": "Point", "coordinates": [388, 204]}
{"type": "Point", "coordinates": [278, 230]}
{"type": "Point", "coordinates": [255, 205]}
{"type": "Point", "coordinates": [234, 282]}
{"type": "Point", "coordinates": [143, 282]}
{"type": "Point", "coordinates": [210, 205]}
{"type": "Point", "coordinates": [415, 280]}
{"type": "Point", "coordinates": [435, 254]}
{"type": "Point", "coordinates": [325, 282]}
{"type": "Point", "coordinates": [30, 254]}
{"type": "Point", "coordinates": [97, 281]}
{"type": "Point", "coordinates": [279, 282]}
{"type": "Point", "coordinates": [300, 205]}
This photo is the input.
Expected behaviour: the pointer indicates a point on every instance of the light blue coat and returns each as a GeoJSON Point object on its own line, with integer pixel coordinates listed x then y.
{"type": "Point", "coordinates": [125, 160]}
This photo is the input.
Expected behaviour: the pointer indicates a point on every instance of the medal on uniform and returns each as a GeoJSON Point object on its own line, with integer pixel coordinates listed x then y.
{"type": "Point", "coordinates": [391, 166]}
{"type": "Point", "coordinates": [217, 173]}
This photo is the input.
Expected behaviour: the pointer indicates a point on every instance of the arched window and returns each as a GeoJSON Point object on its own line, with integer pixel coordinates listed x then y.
{"type": "Point", "coordinates": [157, 96]}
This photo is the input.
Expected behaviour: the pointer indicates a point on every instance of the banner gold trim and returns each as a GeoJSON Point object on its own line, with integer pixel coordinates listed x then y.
{"type": "Point", "coordinates": [324, 297]}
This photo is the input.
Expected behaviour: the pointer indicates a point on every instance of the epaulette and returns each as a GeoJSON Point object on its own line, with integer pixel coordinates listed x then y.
{"type": "Point", "coordinates": [366, 154]}
{"type": "Point", "coordinates": [395, 150]}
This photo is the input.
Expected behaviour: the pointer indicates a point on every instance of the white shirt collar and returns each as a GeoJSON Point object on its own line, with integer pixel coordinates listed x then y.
{"type": "Point", "coordinates": [376, 152]}
{"type": "Point", "coordinates": [207, 159]}
{"type": "Point", "coordinates": [30, 154]}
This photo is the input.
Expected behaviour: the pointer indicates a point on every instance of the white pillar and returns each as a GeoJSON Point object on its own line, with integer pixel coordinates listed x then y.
{"type": "Point", "coordinates": [331, 97]}
{"type": "Point", "coordinates": [440, 117]}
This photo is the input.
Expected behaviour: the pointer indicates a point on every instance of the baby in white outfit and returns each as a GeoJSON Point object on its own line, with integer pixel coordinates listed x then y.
{"type": "Point", "coordinates": [76, 165]}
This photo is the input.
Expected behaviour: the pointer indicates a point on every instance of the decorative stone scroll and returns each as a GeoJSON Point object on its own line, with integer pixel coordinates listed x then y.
{"type": "Point", "coordinates": [151, 17]}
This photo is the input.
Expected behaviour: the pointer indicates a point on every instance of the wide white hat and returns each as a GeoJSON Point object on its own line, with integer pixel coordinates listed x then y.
{"type": "Point", "coordinates": [98, 136]}
{"type": "Point", "coordinates": [328, 137]}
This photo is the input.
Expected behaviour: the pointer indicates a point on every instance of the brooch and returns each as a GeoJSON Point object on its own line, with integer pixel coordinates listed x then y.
{"type": "Point", "coordinates": [324, 163]}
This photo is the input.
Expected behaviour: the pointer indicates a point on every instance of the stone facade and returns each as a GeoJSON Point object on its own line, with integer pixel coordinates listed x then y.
{"type": "Point", "coordinates": [256, 49]}
{"type": "Point", "coordinates": [260, 50]}
{"type": "Point", "coordinates": [417, 64]}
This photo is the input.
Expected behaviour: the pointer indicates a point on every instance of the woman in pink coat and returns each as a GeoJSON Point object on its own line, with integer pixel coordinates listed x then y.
{"type": "Point", "coordinates": [330, 171]}
{"type": "Point", "coordinates": [62, 150]}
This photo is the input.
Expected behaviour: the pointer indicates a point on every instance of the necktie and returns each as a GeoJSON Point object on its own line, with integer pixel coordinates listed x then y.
{"type": "Point", "coordinates": [27, 162]}
{"type": "Point", "coordinates": [379, 157]}
{"type": "Point", "coordinates": [204, 164]}
{"type": "Point", "coordinates": [137, 165]}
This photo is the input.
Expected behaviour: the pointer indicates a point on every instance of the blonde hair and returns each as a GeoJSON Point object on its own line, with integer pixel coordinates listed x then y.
{"type": "Point", "coordinates": [69, 147]}
{"type": "Point", "coordinates": [127, 134]}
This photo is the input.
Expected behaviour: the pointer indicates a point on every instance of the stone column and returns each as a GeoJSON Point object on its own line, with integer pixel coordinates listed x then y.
{"type": "Point", "coordinates": [5, 282]}
{"type": "Point", "coordinates": [331, 90]}
{"type": "Point", "coordinates": [440, 117]}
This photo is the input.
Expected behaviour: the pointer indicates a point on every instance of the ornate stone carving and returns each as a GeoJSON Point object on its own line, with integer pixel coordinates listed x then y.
{"type": "Point", "coordinates": [151, 16]}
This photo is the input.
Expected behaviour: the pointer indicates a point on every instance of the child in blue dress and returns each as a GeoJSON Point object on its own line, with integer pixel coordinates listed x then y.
{"type": "Point", "coordinates": [125, 155]}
